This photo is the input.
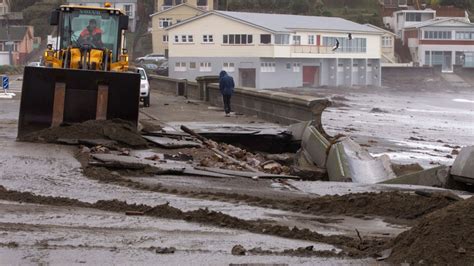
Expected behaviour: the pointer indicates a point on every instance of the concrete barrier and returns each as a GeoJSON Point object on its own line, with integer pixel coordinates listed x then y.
{"type": "Point", "coordinates": [272, 106]}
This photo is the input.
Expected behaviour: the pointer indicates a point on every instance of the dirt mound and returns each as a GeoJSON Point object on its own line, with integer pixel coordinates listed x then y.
{"type": "Point", "coordinates": [28, 197]}
{"type": "Point", "coordinates": [387, 204]}
{"type": "Point", "coordinates": [118, 130]}
{"type": "Point", "coordinates": [444, 237]}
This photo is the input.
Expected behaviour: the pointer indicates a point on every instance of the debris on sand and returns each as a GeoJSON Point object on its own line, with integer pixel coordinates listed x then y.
{"type": "Point", "coordinates": [238, 250]}
{"type": "Point", "coordinates": [161, 250]}
{"type": "Point", "coordinates": [378, 110]}
{"type": "Point", "coordinates": [299, 252]}
{"type": "Point", "coordinates": [117, 130]}
{"type": "Point", "coordinates": [442, 237]}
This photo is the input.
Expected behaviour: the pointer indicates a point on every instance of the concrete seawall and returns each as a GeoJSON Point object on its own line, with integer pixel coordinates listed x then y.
{"type": "Point", "coordinates": [277, 107]}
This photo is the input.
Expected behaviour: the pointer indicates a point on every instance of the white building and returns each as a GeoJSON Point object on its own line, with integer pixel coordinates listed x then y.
{"type": "Point", "coordinates": [274, 51]}
{"type": "Point", "coordinates": [442, 42]}
{"type": "Point", "coordinates": [128, 6]}
{"type": "Point", "coordinates": [406, 18]}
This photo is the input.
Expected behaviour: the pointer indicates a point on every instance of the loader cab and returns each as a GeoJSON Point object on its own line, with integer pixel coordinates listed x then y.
{"type": "Point", "coordinates": [74, 28]}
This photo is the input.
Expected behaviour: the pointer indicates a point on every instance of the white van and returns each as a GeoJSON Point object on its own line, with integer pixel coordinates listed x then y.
{"type": "Point", "coordinates": [144, 87]}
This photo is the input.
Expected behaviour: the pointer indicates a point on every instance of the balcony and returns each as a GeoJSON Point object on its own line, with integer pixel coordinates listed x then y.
{"type": "Point", "coordinates": [165, 7]}
{"type": "Point", "coordinates": [203, 8]}
{"type": "Point", "coordinates": [311, 49]}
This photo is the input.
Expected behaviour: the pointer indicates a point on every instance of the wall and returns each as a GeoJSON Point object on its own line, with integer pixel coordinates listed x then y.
{"type": "Point", "coordinates": [275, 107]}
{"type": "Point", "coordinates": [282, 77]}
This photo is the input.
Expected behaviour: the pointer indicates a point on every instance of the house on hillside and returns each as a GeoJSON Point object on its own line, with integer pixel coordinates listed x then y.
{"type": "Point", "coordinates": [8, 17]}
{"type": "Point", "coordinates": [388, 45]}
{"type": "Point", "coordinates": [166, 17]}
{"type": "Point", "coordinates": [22, 38]}
{"type": "Point", "coordinates": [129, 7]}
{"type": "Point", "coordinates": [444, 42]}
{"type": "Point", "coordinates": [406, 18]}
{"type": "Point", "coordinates": [275, 51]}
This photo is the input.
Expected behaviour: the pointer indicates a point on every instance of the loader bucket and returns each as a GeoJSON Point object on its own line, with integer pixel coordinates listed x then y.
{"type": "Point", "coordinates": [52, 96]}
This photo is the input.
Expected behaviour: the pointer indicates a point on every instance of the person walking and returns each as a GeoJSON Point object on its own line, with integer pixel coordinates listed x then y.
{"type": "Point", "coordinates": [226, 86]}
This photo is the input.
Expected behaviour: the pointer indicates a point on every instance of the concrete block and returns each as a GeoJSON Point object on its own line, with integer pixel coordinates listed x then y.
{"type": "Point", "coordinates": [433, 177]}
{"type": "Point", "coordinates": [315, 145]}
{"type": "Point", "coordinates": [298, 129]}
{"type": "Point", "coordinates": [463, 166]}
{"type": "Point", "coordinates": [348, 160]}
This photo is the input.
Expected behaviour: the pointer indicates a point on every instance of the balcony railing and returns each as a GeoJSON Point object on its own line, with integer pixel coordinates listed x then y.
{"type": "Point", "coordinates": [203, 8]}
{"type": "Point", "coordinates": [165, 7]}
{"type": "Point", "coordinates": [311, 49]}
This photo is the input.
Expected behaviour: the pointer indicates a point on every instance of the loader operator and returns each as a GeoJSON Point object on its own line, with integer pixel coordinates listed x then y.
{"type": "Point", "coordinates": [92, 35]}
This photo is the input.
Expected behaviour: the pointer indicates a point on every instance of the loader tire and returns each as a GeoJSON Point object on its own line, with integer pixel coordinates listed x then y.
{"type": "Point", "coordinates": [146, 101]}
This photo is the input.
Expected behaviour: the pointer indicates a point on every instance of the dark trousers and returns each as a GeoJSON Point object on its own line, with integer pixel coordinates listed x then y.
{"type": "Point", "coordinates": [227, 108]}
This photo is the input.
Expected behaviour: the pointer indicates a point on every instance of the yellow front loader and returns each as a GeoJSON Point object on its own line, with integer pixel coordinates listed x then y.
{"type": "Point", "coordinates": [86, 77]}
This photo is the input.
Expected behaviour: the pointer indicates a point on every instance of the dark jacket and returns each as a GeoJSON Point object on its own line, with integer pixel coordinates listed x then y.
{"type": "Point", "coordinates": [226, 83]}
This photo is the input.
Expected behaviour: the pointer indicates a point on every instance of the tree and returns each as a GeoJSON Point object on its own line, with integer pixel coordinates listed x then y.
{"type": "Point", "coordinates": [300, 7]}
{"type": "Point", "coordinates": [466, 4]}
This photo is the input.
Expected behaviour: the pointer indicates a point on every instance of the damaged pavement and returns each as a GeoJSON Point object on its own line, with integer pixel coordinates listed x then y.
{"type": "Point", "coordinates": [220, 192]}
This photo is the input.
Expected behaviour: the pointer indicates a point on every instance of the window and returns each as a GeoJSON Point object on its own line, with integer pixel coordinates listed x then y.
{"type": "Point", "coordinates": [356, 45]}
{"type": "Point", "coordinates": [265, 38]}
{"type": "Point", "coordinates": [460, 35]}
{"type": "Point", "coordinates": [192, 65]}
{"type": "Point", "coordinates": [267, 67]}
{"type": "Point", "coordinates": [209, 38]}
{"type": "Point", "coordinates": [387, 41]}
{"type": "Point", "coordinates": [438, 35]}
{"type": "Point", "coordinates": [413, 17]}
{"type": "Point", "coordinates": [288, 65]}
{"type": "Point", "coordinates": [165, 22]}
{"type": "Point", "coordinates": [296, 67]}
{"type": "Point", "coordinates": [229, 67]}
{"type": "Point", "coordinates": [180, 66]}
{"type": "Point", "coordinates": [205, 67]}
{"type": "Point", "coordinates": [128, 10]}
{"type": "Point", "coordinates": [165, 38]}
{"type": "Point", "coordinates": [282, 39]}
{"type": "Point", "coordinates": [168, 2]}
{"type": "Point", "coordinates": [238, 39]}
{"type": "Point", "coordinates": [202, 2]}
{"type": "Point", "coordinates": [296, 39]}
{"type": "Point", "coordinates": [311, 39]}
{"type": "Point", "coordinates": [183, 39]}
{"type": "Point", "coordinates": [178, 2]}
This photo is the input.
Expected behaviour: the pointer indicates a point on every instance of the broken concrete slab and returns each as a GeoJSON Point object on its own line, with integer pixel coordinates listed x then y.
{"type": "Point", "coordinates": [433, 177]}
{"type": "Point", "coordinates": [297, 130]}
{"type": "Point", "coordinates": [463, 166]}
{"type": "Point", "coordinates": [244, 173]}
{"type": "Point", "coordinates": [347, 160]}
{"type": "Point", "coordinates": [170, 143]}
{"type": "Point", "coordinates": [315, 146]}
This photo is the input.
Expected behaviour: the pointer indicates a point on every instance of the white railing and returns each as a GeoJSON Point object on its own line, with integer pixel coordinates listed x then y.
{"type": "Point", "coordinates": [311, 49]}
{"type": "Point", "coordinates": [204, 8]}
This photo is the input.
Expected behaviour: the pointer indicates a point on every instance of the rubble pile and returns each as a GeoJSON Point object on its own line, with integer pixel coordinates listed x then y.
{"type": "Point", "coordinates": [257, 161]}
